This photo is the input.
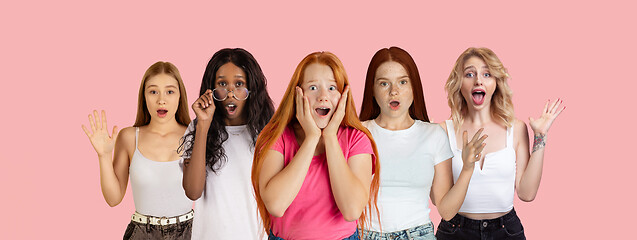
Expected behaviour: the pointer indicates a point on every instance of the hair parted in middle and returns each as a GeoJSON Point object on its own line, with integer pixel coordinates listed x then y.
{"type": "Point", "coordinates": [369, 107]}
{"type": "Point", "coordinates": [257, 112]}
{"type": "Point", "coordinates": [143, 116]}
{"type": "Point", "coordinates": [501, 102]}
{"type": "Point", "coordinates": [286, 115]}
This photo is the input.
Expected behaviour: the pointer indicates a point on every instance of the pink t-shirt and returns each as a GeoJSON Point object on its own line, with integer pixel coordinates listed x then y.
{"type": "Point", "coordinates": [313, 214]}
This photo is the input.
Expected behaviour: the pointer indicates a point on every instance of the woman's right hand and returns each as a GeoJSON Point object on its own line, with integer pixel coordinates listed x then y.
{"type": "Point", "coordinates": [472, 151]}
{"type": "Point", "coordinates": [101, 141]}
{"type": "Point", "coordinates": [204, 107]}
{"type": "Point", "coordinates": [304, 115]}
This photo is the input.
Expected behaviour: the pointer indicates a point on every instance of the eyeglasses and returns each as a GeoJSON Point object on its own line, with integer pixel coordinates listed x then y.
{"type": "Point", "coordinates": [239, 93]}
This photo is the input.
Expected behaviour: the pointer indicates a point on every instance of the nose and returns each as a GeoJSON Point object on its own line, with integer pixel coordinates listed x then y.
{"type": "Point", "coordinates": [393, 90]}
{"type": "Point", "coordinates": [479, 80]}
{"type": "Point", "coordinates": [323, 95]}
{"type": "Point", "coordinates": [231, 92]}
{"type": "Point", "coordinates": [161, 99]}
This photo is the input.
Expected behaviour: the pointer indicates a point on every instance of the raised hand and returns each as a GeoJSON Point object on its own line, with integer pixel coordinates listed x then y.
{"type": "Point", "coordinates": [337, 117]}
{"type": "Point", "coordinates": [549, 114]}
{"type": "Point", "coordinates": [472, 151]}
{"type": "Point", "coordinates": [204, 107]}
{"type": "Point", "coordinates": [304, 115]}
{"type": "Point", "coordinates": [101, 141]}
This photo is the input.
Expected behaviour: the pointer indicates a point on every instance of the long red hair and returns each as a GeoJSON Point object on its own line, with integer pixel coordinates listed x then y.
{"type": "Point", "coordinates": [370, 108]}
{"type": "Point", "coordinates": [286, 114]}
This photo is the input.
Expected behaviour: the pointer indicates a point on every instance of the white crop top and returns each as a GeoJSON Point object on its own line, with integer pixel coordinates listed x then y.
{"type": "Point", "coordinates": [491, 188]}
{"type": "Point", "coordinates": [157, 189]}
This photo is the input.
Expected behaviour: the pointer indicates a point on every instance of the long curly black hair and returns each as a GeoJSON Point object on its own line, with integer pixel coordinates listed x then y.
{"type": "Point", "coordinates": [257, 112]}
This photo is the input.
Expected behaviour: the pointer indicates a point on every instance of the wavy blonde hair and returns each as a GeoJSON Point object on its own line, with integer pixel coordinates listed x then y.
{"type": "Point", "coordinates": [286, 115]}
{"type": "Point", "coordinates": [501, 103]}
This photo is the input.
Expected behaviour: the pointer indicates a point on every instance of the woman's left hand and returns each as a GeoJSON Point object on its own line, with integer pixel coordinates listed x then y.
{"type": "Point", "coordinates": [549, 114]}
{"type": "Point", "coordinates": [337, 117]}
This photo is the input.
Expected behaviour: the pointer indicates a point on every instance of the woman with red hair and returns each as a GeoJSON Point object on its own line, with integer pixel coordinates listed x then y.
{"type": "Point", "coordinates": [414, 152]}
{"type": "Point", "coordinates": [314, 171]}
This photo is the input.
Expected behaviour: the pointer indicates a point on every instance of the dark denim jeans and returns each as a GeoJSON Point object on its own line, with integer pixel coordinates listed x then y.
{"type": "Point", "coordinates": [139, 231]}
{"type": "Point", "coordinates": [353, 237]}
{"type": "Point", "coordinates": [506, 227]}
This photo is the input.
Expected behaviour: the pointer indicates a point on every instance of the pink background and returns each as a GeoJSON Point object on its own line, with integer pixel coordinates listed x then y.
{"type": "Point", "coordinates": [62, 59]}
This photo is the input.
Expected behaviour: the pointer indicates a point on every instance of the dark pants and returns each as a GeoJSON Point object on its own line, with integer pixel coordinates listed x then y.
{"type": "Point", "coordinates": [139, 231]}
{"type": "Point", "coordinates": [353, 237]}
{"type": "Point", "coordinates": [506, 227]}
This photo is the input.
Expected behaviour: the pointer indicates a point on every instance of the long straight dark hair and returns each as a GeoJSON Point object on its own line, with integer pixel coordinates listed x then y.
{"type": "Point", "coordinates": [370, 108]}
{"type": "Point", "coordinates": [257, 112]}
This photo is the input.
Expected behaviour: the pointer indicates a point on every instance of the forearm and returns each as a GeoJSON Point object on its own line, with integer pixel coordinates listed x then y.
{"type": "Point", "coordinates": [111, 189]}
{"type": "Point", "coordinates": [349, 192]}
{"type": "Point", "coordinates": [532, 175]}
{"type": "Point", "coordinates": [282, 188]}
{"type": "Point", "coordinates": [194, 178]}
{"type": "Point", "coordinates": [452, 201]}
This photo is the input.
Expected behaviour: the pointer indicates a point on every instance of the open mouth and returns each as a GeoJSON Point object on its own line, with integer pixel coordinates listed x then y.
{"type": "Point", "coordinates": [231, 107]}
{"type": "Point", "coordinates": [162, 112]}
{"type": "Point", "coordinates": [394, 104]}
{"type": "Point", "coordinates": [322, 111]}
{"type": "Point", "coordinates": [478, 96]}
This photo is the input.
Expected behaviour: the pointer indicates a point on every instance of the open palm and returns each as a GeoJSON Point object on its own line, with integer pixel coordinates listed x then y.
{"type": "Point", "coordinates": [101, 141]}
{"type": "Point", "coordinates": [549, 114]}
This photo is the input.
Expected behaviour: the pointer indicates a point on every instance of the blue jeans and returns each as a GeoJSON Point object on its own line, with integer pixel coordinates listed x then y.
{"type": "Point", "coordinates": [353, 237]}
{"type": "Point", "coordinates": [506, 227]}
{"type": "Point", "coordinates": [422, 232]}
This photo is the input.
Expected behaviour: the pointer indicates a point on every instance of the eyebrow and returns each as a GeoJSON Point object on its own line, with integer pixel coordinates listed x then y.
{"type": "Point", "coordinates": [236, 76]}
{"type": "Point", "coordinates": [149, 86]}
{"type": "Point", "coordinates": [401, 77]}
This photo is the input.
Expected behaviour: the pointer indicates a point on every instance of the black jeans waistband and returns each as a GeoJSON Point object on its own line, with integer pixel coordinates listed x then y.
{"type": "Point", "coordinates": [484, 224]}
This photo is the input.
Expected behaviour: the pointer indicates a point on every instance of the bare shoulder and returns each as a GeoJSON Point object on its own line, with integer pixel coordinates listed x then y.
{"type": "Point", "coordinates": [520, 131]}
{"type": "Point", "coordinates": [126, 138]}
{"type": "Point", "coordinates": [519, 127]}
{"type": "Point", "coordinates": [443, 125]}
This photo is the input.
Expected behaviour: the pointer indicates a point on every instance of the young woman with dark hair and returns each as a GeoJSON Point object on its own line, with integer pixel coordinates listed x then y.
{"type": "Point", "coordinates": [218, 146]}
{"type": "Point", "coordinates": [147, 152]}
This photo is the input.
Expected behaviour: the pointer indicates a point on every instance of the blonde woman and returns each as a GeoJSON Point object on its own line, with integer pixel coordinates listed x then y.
{"type": "Point", "coordinates": [480, 98]}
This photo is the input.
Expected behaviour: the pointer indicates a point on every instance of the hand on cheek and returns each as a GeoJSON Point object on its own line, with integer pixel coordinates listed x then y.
{"type": "Point", "coordinates": [304, 115]}
{"type": "Point", "coordinates": [337, 117]}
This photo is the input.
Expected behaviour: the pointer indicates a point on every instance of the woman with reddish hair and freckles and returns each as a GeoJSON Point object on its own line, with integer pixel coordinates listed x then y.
{"type": "Point", "coordinates": [314, 172]}
{"type": "Point", "coordinates": [415, 153]}
{"type": "Point", "coordinates": [480, 98]}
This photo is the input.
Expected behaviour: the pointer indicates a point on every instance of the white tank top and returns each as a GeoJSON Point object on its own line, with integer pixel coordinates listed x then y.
{"type": "Point", "coordinates": [157, 189]}
{"type": "Point", "coordinates": [491, 188]}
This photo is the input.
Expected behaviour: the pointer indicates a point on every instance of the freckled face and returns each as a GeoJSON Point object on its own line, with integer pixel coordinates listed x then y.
{"type": "Point", "coordinates": [319, 85]}
{"type": "Point", "coordinates": [162, 97]}
{"type": "Point", "coordinates": [392, 89]}
{"type": "Point", "coordinates": [478, 85]}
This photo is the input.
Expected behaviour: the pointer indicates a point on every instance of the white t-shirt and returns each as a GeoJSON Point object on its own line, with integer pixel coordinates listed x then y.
{"type": "Point", "coordinates": [407, 159]}
{"type": "Point", "coordinates": [227, 209]}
